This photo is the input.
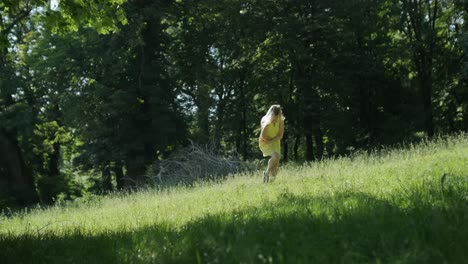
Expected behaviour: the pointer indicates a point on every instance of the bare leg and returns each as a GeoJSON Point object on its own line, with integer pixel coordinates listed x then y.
{"type": "Point", "coordinates": [275, 168]}
{"type": "Point", "coordinates": [273, 165]}
{"type": "Point", "coordinates": [266, 178]}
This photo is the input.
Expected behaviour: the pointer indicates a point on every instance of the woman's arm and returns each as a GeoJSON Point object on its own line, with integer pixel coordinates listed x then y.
{"type": "Point", "coordinates": [281, 129]}
{"type": "Point", "coordinates": [279, 136]}
{"type": "Point", "coordinates": [263, 137]}
{"type": "Point", "coordinates": [280, 132]}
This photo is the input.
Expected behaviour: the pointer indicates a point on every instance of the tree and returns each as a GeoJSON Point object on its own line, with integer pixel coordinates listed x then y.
{"type": "Point", "coordinates": [419, 24]}
{"type": "Point", "coordinates": [127, 108]}
{"type": "Point", "coordinates": [18, 102]}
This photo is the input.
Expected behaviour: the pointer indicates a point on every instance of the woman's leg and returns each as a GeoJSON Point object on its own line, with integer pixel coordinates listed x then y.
{"type": "Point", "coordinates": [273, 164]}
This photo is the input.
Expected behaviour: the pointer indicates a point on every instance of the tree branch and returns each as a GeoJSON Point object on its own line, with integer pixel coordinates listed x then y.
{"type": "Point", "coordinates": [16, 20]}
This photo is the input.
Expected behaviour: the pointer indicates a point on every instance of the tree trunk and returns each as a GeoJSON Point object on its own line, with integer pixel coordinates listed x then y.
{"type": "Point", "coordinates": [285, 148]}
{"type": "Point", "coordinates": [424, 73]}
{"type": "Point", "coordinates": [203, 120]}
{"type": "Point", "coordinates": [243, 121]}
{"type": "Point", "coordinates": [16, 174]}
{"type": "Point", "coordinates": [238, 139]}
{"type": "Point", "coordinates": [135, 175]}
{"type": "Point", "coordinates": [106, 178]}
{"type": "Point", "coordinates": [143, 150]}
{"type": "Point", "coordinates": [119, 175]}
{"type": "Point", "coordinates": [319, 140]}
{"type": "Point", "coordinates": [422, 17]}
{"type": "Point", "coordinates": [244, 135]}
{"type": "Point", "coordinates": [297, 142]}
{"type": "Point", "coordinates": [54, 161]}
{"type": "Point", "coordinates": [309, 148]}
{"type": "Point", "coordinates": [426, 94]}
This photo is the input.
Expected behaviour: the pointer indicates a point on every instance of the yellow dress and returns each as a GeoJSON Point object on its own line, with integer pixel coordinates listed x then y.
{"type": "Point", "coordinates": [267, 149]}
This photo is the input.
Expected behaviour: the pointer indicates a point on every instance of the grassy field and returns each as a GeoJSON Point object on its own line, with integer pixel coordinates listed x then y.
{"type": "Point", "coordinates": [399, 206]}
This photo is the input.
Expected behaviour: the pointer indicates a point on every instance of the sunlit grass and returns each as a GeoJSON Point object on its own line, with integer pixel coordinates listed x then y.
{"type": "Point", "coordinates": [399, 205]}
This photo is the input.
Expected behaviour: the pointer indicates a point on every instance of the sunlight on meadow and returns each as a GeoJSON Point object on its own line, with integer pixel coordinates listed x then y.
{"type": "Point", "coordinates": [382, 176]}
{"type": "Point", "coordinates": [138, 131]}
{"type": "Point", "coordinates": [375, 185]}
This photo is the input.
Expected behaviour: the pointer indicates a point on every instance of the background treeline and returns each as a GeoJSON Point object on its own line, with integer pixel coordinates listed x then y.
{"type": "Point", "coordinates": [106, 88]}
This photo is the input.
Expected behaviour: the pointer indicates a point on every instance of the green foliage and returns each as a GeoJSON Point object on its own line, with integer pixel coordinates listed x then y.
{"type": "Point", "coordinates": [47, 135]}
{"type": "Point", "coordinates": [50, 187]}
{"type": "Point", "coordinates": [399, 205]}
{"type": "Point", "coordinates": [111, 86]}
{"type": "Point", "coordinates": [34, 78]}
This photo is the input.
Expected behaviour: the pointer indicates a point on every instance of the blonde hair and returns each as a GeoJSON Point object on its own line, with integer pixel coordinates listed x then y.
{"type": "Point", "coordinates": [271, 114]}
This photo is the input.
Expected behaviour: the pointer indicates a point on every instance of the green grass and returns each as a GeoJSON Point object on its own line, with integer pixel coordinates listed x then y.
{"type": "Point", "coordinates": [399, 206]}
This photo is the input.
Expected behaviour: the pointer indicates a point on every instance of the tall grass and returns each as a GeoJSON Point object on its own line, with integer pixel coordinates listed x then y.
{"type": "Point", "coordinates": [407, 205]}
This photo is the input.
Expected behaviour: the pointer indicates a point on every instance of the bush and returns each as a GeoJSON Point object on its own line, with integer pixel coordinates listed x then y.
{"type": "Point", "coordinates": [194, 163]}
{"type": "Point", "coordinates": [68, 185]}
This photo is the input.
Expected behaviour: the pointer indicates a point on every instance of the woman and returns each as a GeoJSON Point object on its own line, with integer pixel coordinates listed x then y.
{"type": "Point", "coordinates": [272, 130]}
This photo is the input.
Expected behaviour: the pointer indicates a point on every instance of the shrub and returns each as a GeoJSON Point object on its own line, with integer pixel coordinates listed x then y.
{"type": "Point", "coordinates": [194, 163]}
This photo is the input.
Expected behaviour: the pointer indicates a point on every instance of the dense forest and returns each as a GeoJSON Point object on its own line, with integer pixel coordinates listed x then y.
{"type": "Point", "coordinates": [106, 88]}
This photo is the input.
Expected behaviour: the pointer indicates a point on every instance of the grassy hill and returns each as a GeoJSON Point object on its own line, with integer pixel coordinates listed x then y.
{"type": "Point", "coordinates": [398, 206]}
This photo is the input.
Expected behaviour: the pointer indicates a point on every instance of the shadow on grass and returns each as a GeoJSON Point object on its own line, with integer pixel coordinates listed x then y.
{"type": "Point", "coordinates": [345, 228]}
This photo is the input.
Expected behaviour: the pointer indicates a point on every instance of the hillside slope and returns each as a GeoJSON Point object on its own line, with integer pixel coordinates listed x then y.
{"type": "Point", "coordinates": [407, 206]}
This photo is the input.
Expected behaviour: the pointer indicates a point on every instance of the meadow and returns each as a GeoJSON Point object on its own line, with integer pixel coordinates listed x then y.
{"type": "Point", "coordinates": [402, 205]}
